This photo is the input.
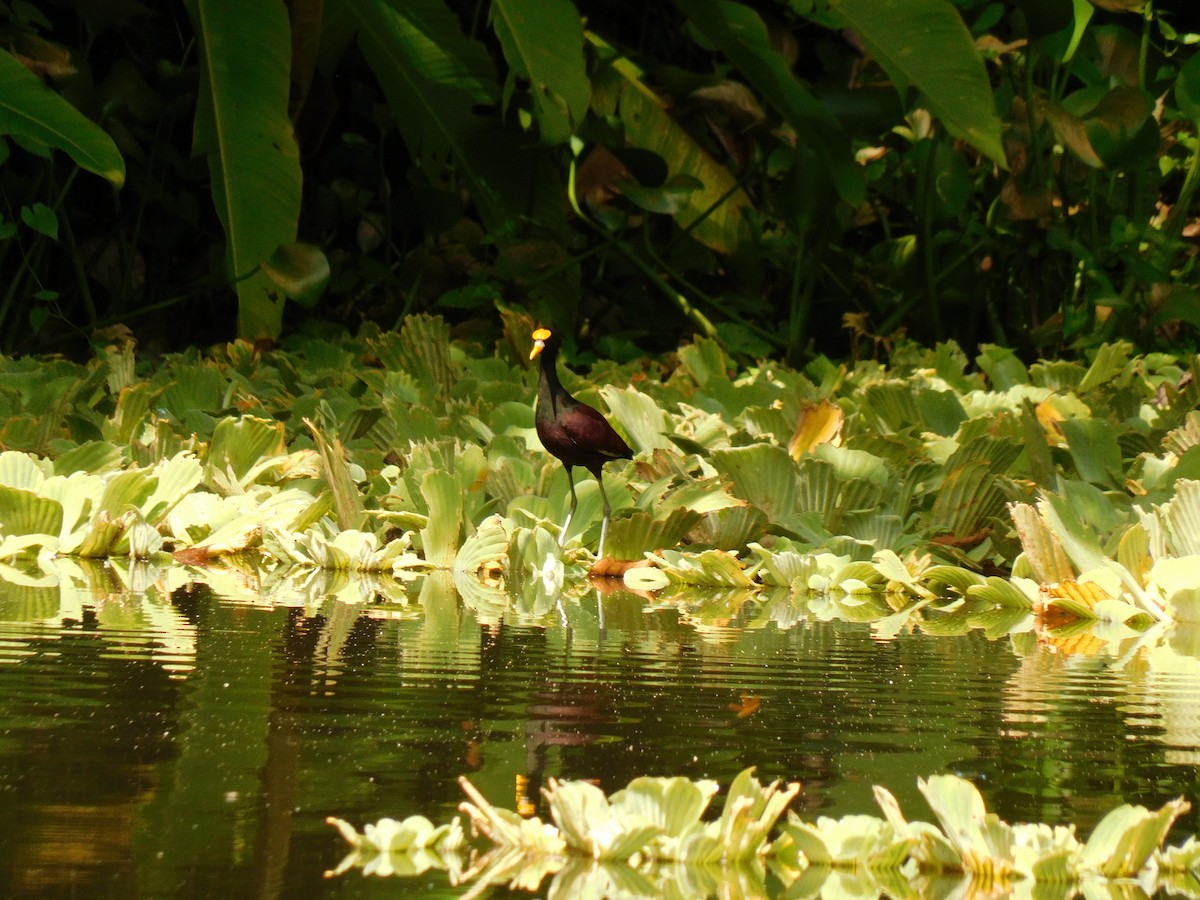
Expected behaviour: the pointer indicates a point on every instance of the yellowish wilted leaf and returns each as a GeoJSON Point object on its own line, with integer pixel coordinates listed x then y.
{"type": "Point", "coordinates": [819, 423]}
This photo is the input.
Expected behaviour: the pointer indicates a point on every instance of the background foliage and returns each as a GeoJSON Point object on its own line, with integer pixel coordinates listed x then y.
{"type": "Point", "coordinates": [766, 175]}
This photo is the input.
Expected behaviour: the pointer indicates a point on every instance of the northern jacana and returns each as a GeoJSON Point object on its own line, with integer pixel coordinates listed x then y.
{"type": "Point", "coordinates": [571, 431]}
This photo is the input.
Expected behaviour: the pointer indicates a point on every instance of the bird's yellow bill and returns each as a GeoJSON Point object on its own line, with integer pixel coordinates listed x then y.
{"type": "Point", "coordinates": [540, 337]}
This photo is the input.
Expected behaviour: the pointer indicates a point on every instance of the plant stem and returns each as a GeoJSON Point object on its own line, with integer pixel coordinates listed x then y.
{"type": "Point", "coordinates": [926, 187]}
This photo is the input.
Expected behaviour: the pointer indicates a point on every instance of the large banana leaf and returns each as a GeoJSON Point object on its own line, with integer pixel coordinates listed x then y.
{"type": "Point", "coordinates": [435, 77]}
{"type": "Point", "coordinates": [30, 109]}
{"type": "Point", "coordinates": [924, 44]}
{"type": "Point", "coordinates": [242, 127]}
{"type": "Point", "coordinates": [543, 42]}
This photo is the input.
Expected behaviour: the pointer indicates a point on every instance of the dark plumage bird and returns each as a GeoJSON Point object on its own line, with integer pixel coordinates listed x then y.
{"type": "Point", "coordinates": [572, 431]}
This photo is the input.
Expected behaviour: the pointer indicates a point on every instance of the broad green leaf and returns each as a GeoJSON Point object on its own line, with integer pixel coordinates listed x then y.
{"type": "Point", "coordinates": [632, 536]}
{"type": "Point", "coordinates": [750, 812]}
{"type": "Point", "coordinates": [41, 219]}
{"type": "Point", "coordinates": [1187, 87]}
{"type": "Point", "coordinates": [93, 457]}
{"type": "Point", "coordinates": [1109, 362]}
{"type": "Point", "coordinates": [175, 478]}
{"type": "Point", "coordinates": [964, 818]}
{"type": "Point", "coordinates": [28, 108]}
{"type": "Point", "coordinates": [543, 43]}
{"type": "Point", "coordinates": [590, 825]}
{"type": "Point", "coordinates": [732, 527]}
{"type": "Point", "coordinates": [1176, 583]}
{"type": "Point", "coordinates": [714, 212]}
{"type": "Point", "coordinates": [23, 512]}
{"type": "Point", "coordinates": [764, 475]}
{"type": "Point", "coordinates": [1003, 592]}
{"type": "Point", "coordinates": [1125, 838]}
{"type": "Point", "coordinates": [1182, 515]}
{"type": "Point", "coordinates": [1094, 448]}
{"type": "Point", "coordinates": [1004, 370]}
{"type": "Point", "coordinates": [439, 539]}
{"type": "Point", "coordinates": [644, 423]}
{"type": "Point", "coordinates": [1078, 542]}
{"type": "Point", "coordinates": [488, 545]}
{"type": "Point", "coordinates": [711, 567]}
{"type": "Point", "coordinates": [941, 411]}
{"type": "Point", "coordinates": [1109, 133]}
{"type": "Point", "coordinates": [924, 44]}
{"type": "Point", "coordinates": [239, 444]}
{"type": "Point", "coordinates": [347, 501]}
{"type": "Point", "coordinates": [854, 465]}
{"type": "Point", "coordinates": [435, 78]}
{"type": "Point", "coordinates": [22, 470]}
{"type": "Point", "coordinates": [242, 127]}
{"type": "Point", "coordinates": [673, 804]}
{"type": "Point", "coordinates": [894, 405]}
{"type": "Point", "coordinates": [968, 498]}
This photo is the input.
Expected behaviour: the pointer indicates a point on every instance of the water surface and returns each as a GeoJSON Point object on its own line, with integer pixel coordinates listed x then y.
{"type": "Point", "coordinates": [177, 743]}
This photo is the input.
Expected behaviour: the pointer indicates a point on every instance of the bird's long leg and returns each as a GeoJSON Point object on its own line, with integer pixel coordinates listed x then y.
{"type": "Point", "coordinates": [607, 513]}
{"type": "Point", "coordinates": [562, 534]}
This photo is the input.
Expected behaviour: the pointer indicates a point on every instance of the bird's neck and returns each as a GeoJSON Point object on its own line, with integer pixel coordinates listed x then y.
{"type": "Point", "coordinates": [551, 394]}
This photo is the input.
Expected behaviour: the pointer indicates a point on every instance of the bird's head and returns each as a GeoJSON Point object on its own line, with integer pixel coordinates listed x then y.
{"type": "Point", "coordinates": [541, 339]}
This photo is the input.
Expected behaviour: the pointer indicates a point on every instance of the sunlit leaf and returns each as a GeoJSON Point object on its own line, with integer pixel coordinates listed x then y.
{"type": "Point", "coordinates": [28, 108]}
{"type": "Point", "coordinates": [300, 270]}
{"type": "Point", "coordinates": [819, 423]}
{"type": "Point", "coordinates": [925, 44]}
{"type": "Point", "coordinates": [1125, 838]}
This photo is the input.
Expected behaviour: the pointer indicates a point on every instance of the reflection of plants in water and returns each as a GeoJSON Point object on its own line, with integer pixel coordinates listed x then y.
{"type": "Point", "coordinates": [654, 829]}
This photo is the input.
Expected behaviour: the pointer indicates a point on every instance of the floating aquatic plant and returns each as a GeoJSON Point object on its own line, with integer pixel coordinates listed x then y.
{"type": "Point", "coordinates": [654, 826]}
{"type": "Point", "coordinates": [1082, 479]}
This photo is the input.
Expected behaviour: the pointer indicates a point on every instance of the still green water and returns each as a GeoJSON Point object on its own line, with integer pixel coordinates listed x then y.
{"type": "Point", "coordinates": [183, 745]}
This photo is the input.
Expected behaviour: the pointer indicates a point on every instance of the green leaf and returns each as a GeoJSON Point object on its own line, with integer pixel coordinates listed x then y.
{"type": "Point", "coordinates": [41, 219]}
{"type": "Point", "coordinates": [639, 416]}
{"type": "Point", "coordinates": [543, 43]}
{"type": "Point", "coordinates": [242, 127]}
{"type": "Point", "coordinates": [1112, 132]}
{"type": "Point", "coordinates": [714, 213]}
{"type": "Point", "coordinates": [1002, 592]}
{"type": "Point", "coordinates": [764, 475]}
{"type": "Point", "coordinates": [632, 536]}
{"type": "Point", "coordinates": [347, 501]}
{"type": "Point", "coordinates": [238, 445]}
{"type": "Point", "coordinates": [672, 804]}
{"type": "Point", "coordinates": [1002, 367]}
{"type": "Point", "coordinates": [1123, 841]}
{"type": "Point", "coordinates": [968, 497]}
{"type": "Point", "coordinates": [590, 825]}
{"type": "Point", "coordinates": [300, 270]}
{"type": "Point", "coordinates": [435, 78]}
{"type": "Point", "coordinates": [24, 512]}
{"type": "Point", "coordinates": [1187, 87]}
{"type": "Point", "coordinates": [439, 539]}
{"type": "Point", "coordinates": [30, 109]}
{"type": "Point", "coordinates": [1094, 448]}
{"type": "Point", "coordinates": [738, 32]}
{"type": "Point", "coordinates": [924, 44]}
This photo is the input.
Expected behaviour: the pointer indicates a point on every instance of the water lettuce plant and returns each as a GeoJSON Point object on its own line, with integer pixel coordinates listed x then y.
{"type": "Point", "coordinates": [655, 827]}
{"type": "Point", "coordinates": [1060, 489]}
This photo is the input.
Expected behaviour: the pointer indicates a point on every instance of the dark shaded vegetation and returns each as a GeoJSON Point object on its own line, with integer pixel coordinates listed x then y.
{"type": "Point", "coordinates": [778, 176]}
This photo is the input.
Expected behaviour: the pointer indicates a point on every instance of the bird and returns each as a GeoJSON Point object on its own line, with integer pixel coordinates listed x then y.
{"type": "Point", "coordinates": [573, 432]}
